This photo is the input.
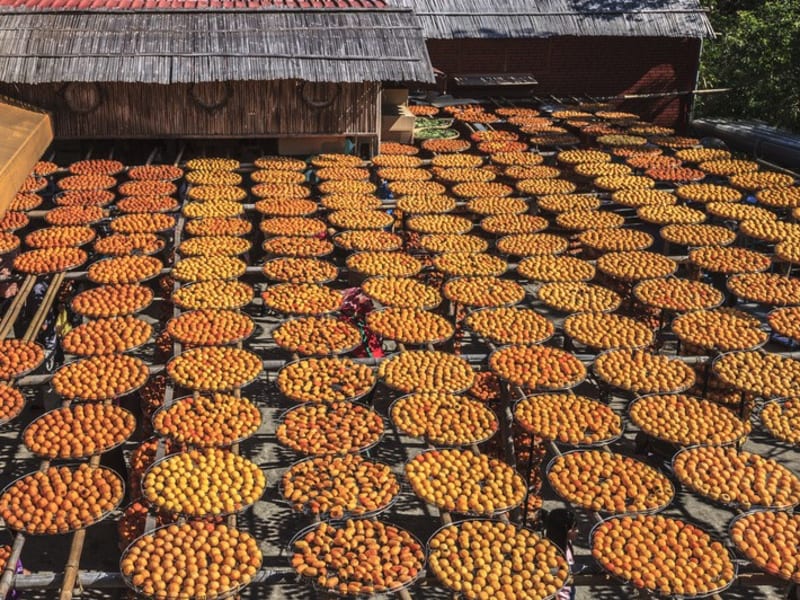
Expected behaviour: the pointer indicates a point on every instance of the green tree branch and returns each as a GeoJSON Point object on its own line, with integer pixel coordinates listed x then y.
{"type": "Point", "coordinates": [756, 52]}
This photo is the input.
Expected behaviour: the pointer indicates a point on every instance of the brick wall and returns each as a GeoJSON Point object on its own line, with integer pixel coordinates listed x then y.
{"type": "Point", "coordinates": [578, 66]}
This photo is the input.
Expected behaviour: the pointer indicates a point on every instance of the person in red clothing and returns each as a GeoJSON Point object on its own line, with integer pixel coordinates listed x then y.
{"type": "Point", "coordinates": [356, 305]}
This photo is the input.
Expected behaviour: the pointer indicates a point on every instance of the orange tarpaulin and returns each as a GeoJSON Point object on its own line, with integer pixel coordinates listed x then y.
{"type": "Point", "coordinates": [24, 136]}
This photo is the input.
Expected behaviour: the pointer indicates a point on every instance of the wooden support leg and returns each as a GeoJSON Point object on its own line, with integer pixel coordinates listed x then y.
{"type": "Point", "coordinates": [36, 323]}
{"type": "Point", "coordinates": [7, 580]}
{"type": "Point", "coordinates": [528, 478]}
{"type": "Point", "coordinates": [74, 559]}
{"type": "Point", "coordinates": [73, 563]}
{"type": "Point", "coordinates": [507, 426]}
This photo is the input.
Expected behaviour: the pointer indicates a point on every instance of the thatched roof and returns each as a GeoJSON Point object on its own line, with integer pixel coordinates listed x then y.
{"type": "Point", "coordinates": [192, 45]}
{"type": "Point", "coordinates": [452, 19]}
{"type": "Point", "coordinates": [187, 4]}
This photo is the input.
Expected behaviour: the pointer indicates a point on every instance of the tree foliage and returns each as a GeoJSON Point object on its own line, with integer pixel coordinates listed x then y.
{"type": "Point", "coordinates": [756, 52]}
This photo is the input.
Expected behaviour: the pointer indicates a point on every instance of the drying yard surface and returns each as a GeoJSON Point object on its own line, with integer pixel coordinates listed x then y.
{"type": "Point", "coordinates": [532, 283]}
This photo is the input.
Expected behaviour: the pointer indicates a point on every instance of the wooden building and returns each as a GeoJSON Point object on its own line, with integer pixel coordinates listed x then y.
{"type": "Point", "coordinates": [576, 48]}
{"type": "Point", "coordinates": [209, 68]}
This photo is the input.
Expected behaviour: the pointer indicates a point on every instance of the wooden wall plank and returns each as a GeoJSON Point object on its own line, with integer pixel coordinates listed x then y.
{"type": "Point", "coordinates": [252, 109]}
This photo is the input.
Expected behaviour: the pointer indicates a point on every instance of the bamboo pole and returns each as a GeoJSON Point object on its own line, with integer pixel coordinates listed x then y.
{"type": "Point", "coordinates": [169, 392]}
{"type": "Point", "coordinates": [9, 573]}
{"type": "Point", "coordinates": [73, 561]}
{"type": "Point", "coordinates": [76, 549]}
{"type": "Point", "coordinates": [47, 302]}
{"type": "Point", "coordinates": [7, 580]}
{"type": "Point", "coordinates": [231, 520]}
{"type": "Point", "coordinates": [16, 306]}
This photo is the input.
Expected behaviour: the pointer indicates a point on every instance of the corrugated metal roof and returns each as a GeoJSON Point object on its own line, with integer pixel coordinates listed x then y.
{"type": "Point", "coordinates": [487, 19]}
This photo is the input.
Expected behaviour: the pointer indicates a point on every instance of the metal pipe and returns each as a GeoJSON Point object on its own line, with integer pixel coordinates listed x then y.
{"type": "Point", "coordinates": [113, 580]}
{"type": "Point", "coordinates": [180, 154]}
{"type": "Point", "coordinates": [70, 275]}
{"type": "Point", "coordinates": [152, 155]}
{"type": "Point", "coordinates": [773, 166]}
{"type": "Point", "coordinates": [692, 99]}
{"type": "Point", "coordinates": [277, 364]}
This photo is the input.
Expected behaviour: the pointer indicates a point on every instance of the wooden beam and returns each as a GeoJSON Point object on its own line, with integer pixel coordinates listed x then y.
{"type": "Point", "coordinates": [25, 136]}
